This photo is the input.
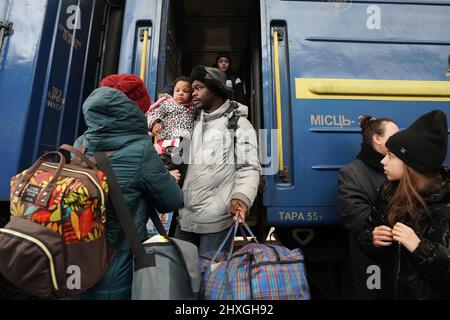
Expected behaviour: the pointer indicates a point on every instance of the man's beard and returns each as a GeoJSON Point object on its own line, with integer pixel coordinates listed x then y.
{"type": "Point", "coordinates": [201, 106]}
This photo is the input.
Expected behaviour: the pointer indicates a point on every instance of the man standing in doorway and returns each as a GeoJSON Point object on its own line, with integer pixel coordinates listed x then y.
{"type": "Point", "coordinates": [223, 175]}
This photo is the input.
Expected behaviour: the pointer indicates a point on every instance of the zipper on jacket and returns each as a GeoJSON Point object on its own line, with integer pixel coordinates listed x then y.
{"type": "Point", "coordinates": [102, 194]}
{"type": "Point", "coordinates": [397, 270]}
{"type": "Point", "coordinates": [42, 247]}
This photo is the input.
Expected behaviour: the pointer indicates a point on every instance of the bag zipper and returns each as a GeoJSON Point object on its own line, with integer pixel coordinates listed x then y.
{"type": "Point", "coordinates": [102, 194]}
{"type": "Point", "coordinates": [43, 248]}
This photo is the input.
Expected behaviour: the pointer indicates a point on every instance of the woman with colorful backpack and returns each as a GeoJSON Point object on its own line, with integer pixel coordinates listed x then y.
{"type": "Point", "coordinates": [115, 120]}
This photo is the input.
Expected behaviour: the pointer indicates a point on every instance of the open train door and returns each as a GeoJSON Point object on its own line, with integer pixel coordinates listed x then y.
{"type": "Point", "coordinates": [149, 43]}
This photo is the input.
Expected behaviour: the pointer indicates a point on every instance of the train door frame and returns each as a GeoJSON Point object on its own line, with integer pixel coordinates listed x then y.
{"type": "Point", "coordinates": [104, 55]}
{"type": "Point", "coordinates": [171, 46]}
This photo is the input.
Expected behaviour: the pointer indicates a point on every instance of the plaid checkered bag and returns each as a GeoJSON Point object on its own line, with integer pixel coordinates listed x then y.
{"type": "Point", "coordinates": [255, 272]}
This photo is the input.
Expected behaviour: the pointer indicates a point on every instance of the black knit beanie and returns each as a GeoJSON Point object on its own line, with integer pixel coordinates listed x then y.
{"type": "Point", "coordinates": [214, 79]}
{"type": "Point", "coordinates": [223, 55]}
{"type": "Point", "coordinates": [422, 146]}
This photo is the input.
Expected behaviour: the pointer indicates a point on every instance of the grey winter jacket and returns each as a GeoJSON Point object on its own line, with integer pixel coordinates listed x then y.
{"type": "Point", "coordinates": [214, 178]}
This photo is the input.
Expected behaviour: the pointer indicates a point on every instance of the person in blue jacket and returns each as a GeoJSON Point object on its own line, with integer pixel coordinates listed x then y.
{"type": "Point", "coordinates": [117, 123]}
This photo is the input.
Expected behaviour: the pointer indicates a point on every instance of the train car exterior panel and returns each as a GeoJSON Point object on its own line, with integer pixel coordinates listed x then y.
{"type": "Point", "coordinates": [139, 15]}
{"type": "Point", "coordinates": [345, 45]}
{"type": "Point", "coordinates": [20, 79]}
{"type": "Point", "coordinates": [43, 66]}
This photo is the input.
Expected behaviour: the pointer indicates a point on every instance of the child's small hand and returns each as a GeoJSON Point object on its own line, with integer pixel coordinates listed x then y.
{"type": "Point", "coordinates": [157, 128]}
{"type": "Point", "coordinates": [176, 174]}
{"type": "Point", "coordinates": [158, 148]}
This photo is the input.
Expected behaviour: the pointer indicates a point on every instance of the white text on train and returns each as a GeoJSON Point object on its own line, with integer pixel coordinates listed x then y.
{"type": "Point", "coordinates": [330, 120]}
{"type": "Point", "coordinates": [299, 216]}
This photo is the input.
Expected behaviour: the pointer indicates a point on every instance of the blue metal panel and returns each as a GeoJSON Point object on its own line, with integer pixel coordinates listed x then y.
{"type": "Point", "coordinates": [41, 80]}
{"type": "Point", "coordinates": [325, 41]}
{"type": "Point", "coordinates": [60, 103]}
{"type": "Point", "coordinates": [4, 8]}
{"type": "Point", "coordinates": [18, 62]}
{"type": "Point", "coordinates": [138, 14]}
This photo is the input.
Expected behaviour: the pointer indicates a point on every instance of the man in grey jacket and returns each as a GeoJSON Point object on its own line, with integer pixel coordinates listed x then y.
{"type": "Point", "coordinates": [223, 174]}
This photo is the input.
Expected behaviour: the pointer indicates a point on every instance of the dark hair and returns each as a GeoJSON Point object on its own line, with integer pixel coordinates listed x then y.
{"type": "Point", "coordinates": [227, 55]}
{"type": "Point", "coordinates": [371, 126]}
{"type": "Point", "coordinates": [410, 195]}
{"type": "Point", "coordinates": [223, 54]}
{"type": "Point", "coordinates": [182, 78]}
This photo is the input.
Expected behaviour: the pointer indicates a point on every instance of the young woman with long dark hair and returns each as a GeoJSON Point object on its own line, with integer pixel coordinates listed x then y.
{"type": "Point", "coordinates": [409, 226]}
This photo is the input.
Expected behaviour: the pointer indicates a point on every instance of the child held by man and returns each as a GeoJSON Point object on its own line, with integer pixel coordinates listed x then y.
{"type": "Point", "coordinates": [171, 120]}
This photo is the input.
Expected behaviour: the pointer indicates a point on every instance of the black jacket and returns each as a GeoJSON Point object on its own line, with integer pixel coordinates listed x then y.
{"type": "Point", "coordinates": [235, 83]}
{"type": "Point", "coordinates": [358, 185]}
{"type": "Point", "coordinates": [424, 273]}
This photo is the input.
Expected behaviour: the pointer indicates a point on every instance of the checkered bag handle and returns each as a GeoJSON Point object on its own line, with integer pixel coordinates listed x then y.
{"type": "Point", "coordinates": [232, 231]}
{"type": "Point", "coordinates": [247, 228]}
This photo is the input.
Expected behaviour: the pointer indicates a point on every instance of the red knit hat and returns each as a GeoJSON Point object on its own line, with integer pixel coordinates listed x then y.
{"type": "Point", "coordinates": [132, 86]}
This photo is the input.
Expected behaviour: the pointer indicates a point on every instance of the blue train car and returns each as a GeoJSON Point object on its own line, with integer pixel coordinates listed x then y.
{"type": "Point", "coordinates": [310, 68]}
{"type": "Point", "coordinates": [339, 61]}
{"type": "Point", "coordinates": [51, 58]}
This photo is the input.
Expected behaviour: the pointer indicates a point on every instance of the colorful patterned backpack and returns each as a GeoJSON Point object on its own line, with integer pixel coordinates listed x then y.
{"type": "Point", "coordinates": [55, 245]}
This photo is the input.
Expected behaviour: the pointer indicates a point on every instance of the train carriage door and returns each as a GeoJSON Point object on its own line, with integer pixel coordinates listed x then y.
{"type": "Point", "coordinates": [5, 27]}
{"type": "Point", "coordinates": [169, 58]}
{"type": "Point", "coordinates": [49, 64]}
{"type": "Point", "coordinates": [149, 43]}
{"type": "Point", "coordinates": [8, 96]}
{"type": "Point", "coordinates": [71, 34]}
{"type": "Point", "coordinates": [42, 69]}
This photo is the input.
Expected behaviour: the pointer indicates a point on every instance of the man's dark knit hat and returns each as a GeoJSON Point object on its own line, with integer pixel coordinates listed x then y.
{"type": "Point", "coordinates": [422, 146]}
{"type": "Point", "coordinates": [215, 79]}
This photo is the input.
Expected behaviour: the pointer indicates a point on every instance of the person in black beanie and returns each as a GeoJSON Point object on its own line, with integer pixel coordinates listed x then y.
{"type": "Point", "coordinates": [409, 225]}
{"type": "Point", "coordinates": [223, 62]}
{"type": "Point", "coordinates": [224, 171]}
{"type": "Point", "coordinates": [358, 185]}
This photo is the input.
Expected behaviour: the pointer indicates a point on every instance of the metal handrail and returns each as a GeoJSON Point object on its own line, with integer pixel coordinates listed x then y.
{"type": "Point", "coordinates": [278, 101]}
{"type": "Point", "coordinates": [144, 54]}
{"type": "Point", "coordinates": [5, 30]}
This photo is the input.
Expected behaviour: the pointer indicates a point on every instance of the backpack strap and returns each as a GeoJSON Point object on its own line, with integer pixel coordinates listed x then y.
{"type": "Point", "coordinates": [79, 153]}
{"type": "Point", "coordinates": [233, 118]}
{"type": "Point", "coordinates": [189, 255]}
{"type": "Point", "coordinates": [142, 259]}
{"type": "Point", "coordinates": [80, 157]}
